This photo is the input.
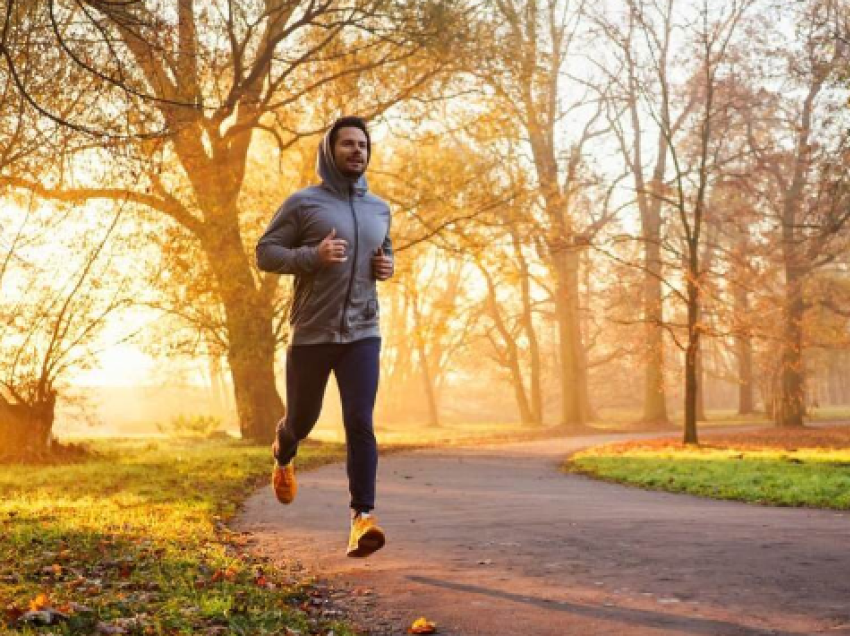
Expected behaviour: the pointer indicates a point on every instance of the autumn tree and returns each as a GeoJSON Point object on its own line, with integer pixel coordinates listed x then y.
{"type": "Point", "coordinates": [639, 84]}
{"type": "Point", "coordinates": [524, 67]}
{"type": "Point", "coordinates": [203, 81]}
{"type": "Point", "coordinates": [804, 159]}
{"type": "Point", "coordinates": [61, 286]}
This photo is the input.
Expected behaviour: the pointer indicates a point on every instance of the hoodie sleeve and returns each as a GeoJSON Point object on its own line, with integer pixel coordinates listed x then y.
{"type": "Point", "coordinates": [278, 250]}
{"type": "Point", "coordinates": [387, 247]}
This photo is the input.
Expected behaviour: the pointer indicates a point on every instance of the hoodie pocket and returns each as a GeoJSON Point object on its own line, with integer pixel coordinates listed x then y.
{"type": "Point", "coordinates": [371, 311]}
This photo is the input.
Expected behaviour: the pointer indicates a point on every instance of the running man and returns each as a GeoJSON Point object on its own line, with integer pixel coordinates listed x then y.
{"type": "Point", "coordinates": [334, 238]}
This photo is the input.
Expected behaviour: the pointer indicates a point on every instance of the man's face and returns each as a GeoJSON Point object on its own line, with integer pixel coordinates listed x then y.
{"type": "Point", "coordinates": [350, 152]}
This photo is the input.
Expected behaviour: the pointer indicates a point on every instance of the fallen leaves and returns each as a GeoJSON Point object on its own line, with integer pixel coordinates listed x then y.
{"type": "Point", "coordinates": [41, 612]}
{"type": "Point", "coordinates": [422, 626]}
{"type": "Point", "coordinates": [39, 602]}
{"type": "Point", "coordinates": [132, 554]}
{"type": "Point", "coordinates": [122, 625]}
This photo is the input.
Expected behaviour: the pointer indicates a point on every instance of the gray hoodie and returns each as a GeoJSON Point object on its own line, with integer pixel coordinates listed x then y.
{"type": "Point", "coordinates": [336, 302]}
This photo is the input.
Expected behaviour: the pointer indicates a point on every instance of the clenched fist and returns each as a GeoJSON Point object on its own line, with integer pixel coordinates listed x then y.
{"type": "Point", "coordinates": [382, 265]}
{"type": "Point", "coordinates": [332, 250]}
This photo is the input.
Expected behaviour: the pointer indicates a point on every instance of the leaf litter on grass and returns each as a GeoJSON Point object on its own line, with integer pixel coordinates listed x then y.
{"type": "Point", "coordinates": [117, 547]}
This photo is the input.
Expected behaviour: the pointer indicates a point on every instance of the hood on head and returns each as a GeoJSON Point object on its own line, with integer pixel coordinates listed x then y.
{"type": "Point", "coordinates": [330, 174]}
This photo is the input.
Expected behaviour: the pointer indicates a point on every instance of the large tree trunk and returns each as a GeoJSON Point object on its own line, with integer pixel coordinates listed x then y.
{"type": "Point", "coordinates": [26, 429]}
{"type": "Point", "coordinates": [250, 330]}
{"type": "Point", "coordinates": [744, 354]}
{"type": "Point", "coordinates": [791, 407]}
{"type": "Point", "coordinates": [837, 378]}
{"type": "Point", "coordinates": [655, 396]}
{"type": "Point", "coordinates": [574, 391]}
{"type": "Point", "coordinates": [251, 359]}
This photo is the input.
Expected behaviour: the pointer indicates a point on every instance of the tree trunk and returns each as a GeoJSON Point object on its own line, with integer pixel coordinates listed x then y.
{"type": "Point", "coordinates": [700, 373]}
{"type": "Point", "coordinates": [655, 394]}
{"type": "Point", "coordinates": [397, 358]}
{"type": "Point", "coordinates": [510, 357]}
{"type": "Point", "coordinates": [25, 430]}
{"type": "Point", "coordinates": [654, 400]}
{"type": "Point", "coordinates": [535, 389]}
{"type": "Point", "coordinates": [250, 331]}
{"type": "Point", "coordinates": [837, 378]}
{"type": "Point", "coordinates": [744, 351]}
{"type": "Point", "coordinates": [430, 392]}
{"type": "Point", "coordinates": [526, 415]}
{"type": "Point", "coordinates": [791, 407]}
{"type": "Point", "coordinates": [691, 355]}
{"type": "Point", "coordinates": [574, 401]}
{"type": "Point", "coordinates": [581, 264]}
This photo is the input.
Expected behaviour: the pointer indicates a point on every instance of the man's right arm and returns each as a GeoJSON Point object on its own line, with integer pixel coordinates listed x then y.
{"type": "Point", "coordinates": [279, 249]}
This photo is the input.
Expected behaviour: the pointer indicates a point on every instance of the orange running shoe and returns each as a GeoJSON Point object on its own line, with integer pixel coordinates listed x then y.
{"type": "Point", "coordinates": [366, 536]}
{"type": "Point", "coordinates": [284, 484]}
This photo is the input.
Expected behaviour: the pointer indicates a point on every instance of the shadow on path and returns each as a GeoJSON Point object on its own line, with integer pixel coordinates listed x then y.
{"type": "Point", "coordinates": [641, 617]}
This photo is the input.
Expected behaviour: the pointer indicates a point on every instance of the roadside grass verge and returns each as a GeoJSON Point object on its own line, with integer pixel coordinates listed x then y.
{"type": "Point", "coordinates": [403, 436]}
{"type": "Point", "coordinates": [133, 541]}
{"type": "Point", "coordinates": [810, 467]}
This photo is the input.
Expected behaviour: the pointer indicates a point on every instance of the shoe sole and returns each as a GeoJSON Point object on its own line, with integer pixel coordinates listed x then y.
{"type": "Point", "coordinates": [284, 502]}
{"type": "Point", "coordinates": [371, 541]}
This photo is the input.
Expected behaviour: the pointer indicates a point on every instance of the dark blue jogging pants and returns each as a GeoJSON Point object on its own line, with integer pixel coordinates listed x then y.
{"type": "Point", "coordinates": [356, 368]}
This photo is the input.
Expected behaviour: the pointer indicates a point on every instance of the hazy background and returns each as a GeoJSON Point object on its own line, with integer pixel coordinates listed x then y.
{"type": "Point", "coordinates": [603, 212]}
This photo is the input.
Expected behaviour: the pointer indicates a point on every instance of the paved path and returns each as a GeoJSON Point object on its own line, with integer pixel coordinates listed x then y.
{"type": "Point", "coordinates": [496, 541]}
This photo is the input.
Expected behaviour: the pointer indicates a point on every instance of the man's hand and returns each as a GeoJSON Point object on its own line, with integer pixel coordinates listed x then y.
{"type": "Point", "coordinates": [382, 265]}
{"type": "Point", "coordinates": [332, 250]}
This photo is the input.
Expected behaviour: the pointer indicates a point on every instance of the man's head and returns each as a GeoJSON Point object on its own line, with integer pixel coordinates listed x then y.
{"type": "Point", "coordinates": [351, 146]}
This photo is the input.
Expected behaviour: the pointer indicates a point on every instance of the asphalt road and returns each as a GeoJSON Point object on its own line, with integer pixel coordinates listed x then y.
{"type": "Point", "coordinates": [497, 541]}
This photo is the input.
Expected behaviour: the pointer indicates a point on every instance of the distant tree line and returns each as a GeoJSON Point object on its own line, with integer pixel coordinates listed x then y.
{"type": "Point", "coordinates": [589, 199]}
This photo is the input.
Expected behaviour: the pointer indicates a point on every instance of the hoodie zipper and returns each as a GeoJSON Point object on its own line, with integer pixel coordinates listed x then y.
{"type": "Point", "coordinates": [343, 326]}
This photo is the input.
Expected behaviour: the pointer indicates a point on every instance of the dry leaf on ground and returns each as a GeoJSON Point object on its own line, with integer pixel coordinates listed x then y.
{"type": "Point", "coordinates": [422, 626]}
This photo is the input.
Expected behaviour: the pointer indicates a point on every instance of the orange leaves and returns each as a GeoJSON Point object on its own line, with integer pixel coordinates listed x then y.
{"type": "Point", "coordinates": [228, 574]}
{"type": "Point", "coordinates": [39, 603]}
{"type": "Point", "coordinates": [41, 612]}
{"type": "Point", "coordinates": [422, 626]}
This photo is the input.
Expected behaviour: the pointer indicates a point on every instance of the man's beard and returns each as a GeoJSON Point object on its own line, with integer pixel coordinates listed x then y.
{"type": "Point", "coordinates": [354, 175]}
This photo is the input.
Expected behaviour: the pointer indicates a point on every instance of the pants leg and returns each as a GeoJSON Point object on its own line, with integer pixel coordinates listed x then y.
{"type": "Point", "coordinates": [357, 372]}
{"type": "Point", "coordinates": [308, 368]}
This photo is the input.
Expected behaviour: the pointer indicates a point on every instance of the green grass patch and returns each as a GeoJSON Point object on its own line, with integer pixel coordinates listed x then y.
{"type": "Point", "coordinates": [738, 470]}
{"type": "Point", "coordinates": [133, 540]}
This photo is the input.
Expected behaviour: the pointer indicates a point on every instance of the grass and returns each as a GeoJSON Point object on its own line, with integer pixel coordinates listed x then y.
{"type": "Point", "coordinates": [401, 435]}
{"type": "Point", "coordinates": [133, 541]}
{"type": "Point", "coordinates": [776, 467]}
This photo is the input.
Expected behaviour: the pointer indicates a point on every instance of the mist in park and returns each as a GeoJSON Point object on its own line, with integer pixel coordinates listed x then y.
{"type": "Point", "coordinates": [621, 214]}
{"type": "Point", "coordinates": [620, 252]}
